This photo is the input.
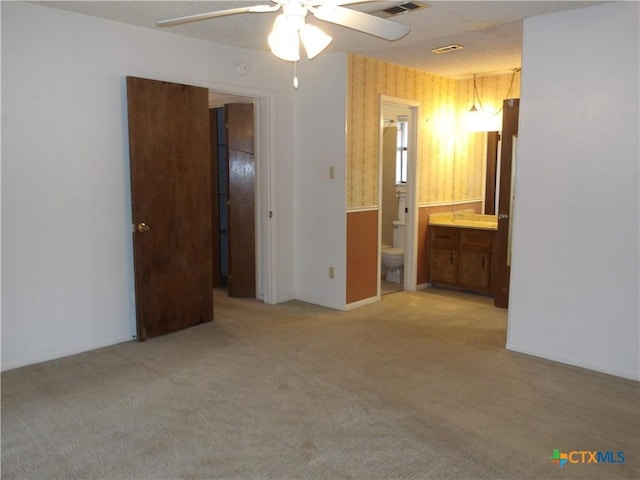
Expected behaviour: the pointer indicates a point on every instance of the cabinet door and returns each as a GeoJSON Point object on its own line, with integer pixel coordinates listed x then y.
{"type": "Point", "coordinates": [473, 269]}
{"type": "Point", "coordinates": [444, 265]}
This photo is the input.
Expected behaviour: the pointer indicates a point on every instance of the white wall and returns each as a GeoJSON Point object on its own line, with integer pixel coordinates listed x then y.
{"type": "Point", "coordinates": [67, 272]}
{"type": "Point", "coordinates": [320, 132]}
{"type": "Point", "coordinates": [574, 284]}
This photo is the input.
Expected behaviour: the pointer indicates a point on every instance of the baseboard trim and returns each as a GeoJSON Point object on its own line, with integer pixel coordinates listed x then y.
{"type": "Point", "coordinates": [315, 301]}
{"type": "Point", "coordinates": [54, 355]}
{"type": "Point", "coordinates": [514, 347]}
{"type": "Point", "coordinates": [361, 303]}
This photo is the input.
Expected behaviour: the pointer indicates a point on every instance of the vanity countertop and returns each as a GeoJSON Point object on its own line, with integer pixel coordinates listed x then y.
{"type": "Point", "coordinates": [464, 220]}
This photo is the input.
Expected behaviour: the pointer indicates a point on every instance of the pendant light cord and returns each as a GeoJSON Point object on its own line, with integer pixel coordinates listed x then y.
{"type": "Point", "coordinates": [477, 97]}
{"type": "Point", "coordinates": [475, 93]}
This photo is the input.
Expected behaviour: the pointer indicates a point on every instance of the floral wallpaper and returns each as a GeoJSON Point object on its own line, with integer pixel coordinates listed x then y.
{"type": "Point", "coordinates": [450, 157]}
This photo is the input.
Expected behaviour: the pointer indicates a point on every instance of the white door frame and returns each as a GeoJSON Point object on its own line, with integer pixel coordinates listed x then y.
{"type": "Point", "coordinates": [411, 217]}
{"type": "Point", "coordinates": [266, 201]}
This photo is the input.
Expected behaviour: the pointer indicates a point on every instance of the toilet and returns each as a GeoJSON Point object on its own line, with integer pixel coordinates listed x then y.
{"type": "Point", "coordinates": [393, 256]}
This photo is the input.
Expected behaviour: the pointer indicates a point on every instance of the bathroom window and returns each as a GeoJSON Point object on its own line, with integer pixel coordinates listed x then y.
{"type": "Point", "coordinates": [401, 149]}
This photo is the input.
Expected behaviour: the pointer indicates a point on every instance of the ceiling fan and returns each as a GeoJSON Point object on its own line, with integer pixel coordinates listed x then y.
{"type": "Point", "coordinates": [289, 27]}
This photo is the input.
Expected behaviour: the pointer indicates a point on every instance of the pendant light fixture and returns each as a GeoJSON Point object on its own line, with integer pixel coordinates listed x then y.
{"type": "Point", "coordinates": [478, 119]}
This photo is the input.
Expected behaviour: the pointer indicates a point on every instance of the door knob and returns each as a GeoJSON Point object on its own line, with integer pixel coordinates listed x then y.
{"type": "Point", "coordinates": [503, 216]}
{"type": "Point", "coordinates": [143, 227]}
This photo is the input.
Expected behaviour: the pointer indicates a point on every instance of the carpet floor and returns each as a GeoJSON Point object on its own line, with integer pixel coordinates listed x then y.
{"type": "Point", "coordinates": [418, 386]}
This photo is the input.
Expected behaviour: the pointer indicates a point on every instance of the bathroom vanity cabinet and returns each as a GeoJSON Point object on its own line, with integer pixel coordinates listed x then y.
{"type": "Point", "coordinates": [461, 257]}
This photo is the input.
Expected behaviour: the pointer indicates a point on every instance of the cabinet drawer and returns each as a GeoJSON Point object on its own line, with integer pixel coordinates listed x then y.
{"type": "Point", "coordinates": [476, 238]}
{"type": "Point", "coordinates": [444, 236]}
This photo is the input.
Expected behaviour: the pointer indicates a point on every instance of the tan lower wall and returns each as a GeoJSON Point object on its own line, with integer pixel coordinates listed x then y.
{"type": "Point", "coordinates": [362, 255]}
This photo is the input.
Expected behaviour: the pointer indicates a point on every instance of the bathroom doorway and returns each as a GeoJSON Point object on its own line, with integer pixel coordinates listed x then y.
{"type": "Point", "coordinates": [397, 200]}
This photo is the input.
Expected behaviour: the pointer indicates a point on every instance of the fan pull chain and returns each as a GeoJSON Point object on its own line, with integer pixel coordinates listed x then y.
{"type": "Point", "coordinates": [295, 75]}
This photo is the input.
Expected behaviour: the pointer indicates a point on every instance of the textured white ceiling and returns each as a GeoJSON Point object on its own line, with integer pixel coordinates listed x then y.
{"type": "Point", "coordinates": [490, 31]}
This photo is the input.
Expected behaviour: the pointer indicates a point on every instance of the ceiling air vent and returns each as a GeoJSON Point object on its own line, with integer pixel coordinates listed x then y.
{"type": "Point", "coordinates": [447, 48]}
{"type": "Point", "coordinates": [400, 9]}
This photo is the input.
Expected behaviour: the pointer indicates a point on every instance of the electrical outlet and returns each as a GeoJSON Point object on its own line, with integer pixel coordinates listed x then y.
{"type": "Point", "coordinates": [332, 173]}
{"type": "Point", "coordinates": [332, 273]}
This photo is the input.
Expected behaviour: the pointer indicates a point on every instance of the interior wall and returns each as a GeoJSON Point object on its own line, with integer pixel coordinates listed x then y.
{"type": "Point", "coordinates": [319, 134]}
{"type": "Point", "coordinates": [574, 278]}
{"type": "Point", "coordinates": [67, 268]}
{"type": "Point", "coordinates": [370, 78]}
{"type": "Point", "coordinates": [451, 158]}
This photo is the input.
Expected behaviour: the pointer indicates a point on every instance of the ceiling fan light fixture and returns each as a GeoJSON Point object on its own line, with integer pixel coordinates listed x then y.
{"type": "Point", "coordinates": [314, 40]}
{"type": "Point", "coordinates": [290, 27]}
{"type": "Point", "coordinates": [283, 39]}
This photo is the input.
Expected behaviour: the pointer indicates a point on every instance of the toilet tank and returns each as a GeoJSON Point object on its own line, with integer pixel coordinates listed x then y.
{"type": "Point", "coordinates": [398, 233]}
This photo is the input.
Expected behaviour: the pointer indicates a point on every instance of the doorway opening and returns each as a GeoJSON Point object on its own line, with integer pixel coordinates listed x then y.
{"type": "Point", "coordinates": [233, 199]}
{"type": "Point", "coordinates": [256, 235]}
{"type": "Point", "coordinates": [397, 197]}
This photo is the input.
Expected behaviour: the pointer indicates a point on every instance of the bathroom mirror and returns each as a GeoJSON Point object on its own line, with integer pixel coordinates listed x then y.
{"type": "Point", "coordinates": [475, 181]}
{"type": "Point", "coordinates": [492, 173]}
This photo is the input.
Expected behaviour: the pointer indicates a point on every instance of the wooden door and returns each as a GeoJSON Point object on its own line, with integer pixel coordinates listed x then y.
{"type": "Point", "coordinates": [171, 205]}
{"type": "Point", "coordinates": [241, 200]}
{"type": "Point", "coordinates": [502, 274]}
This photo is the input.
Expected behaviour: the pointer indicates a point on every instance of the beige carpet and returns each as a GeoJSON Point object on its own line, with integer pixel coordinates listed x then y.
{"type": "Point", "coordinates": [418, 386]}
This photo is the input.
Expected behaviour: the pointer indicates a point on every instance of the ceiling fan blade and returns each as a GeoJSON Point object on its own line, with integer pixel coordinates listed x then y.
{"type": "Point", "coordinates": [360, 21]}
{"type": "Point", "coordinates": [221, 13]}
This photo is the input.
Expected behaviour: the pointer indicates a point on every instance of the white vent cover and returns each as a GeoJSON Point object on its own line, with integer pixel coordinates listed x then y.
{"type": "Point", "coordinates": [447, 48]}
